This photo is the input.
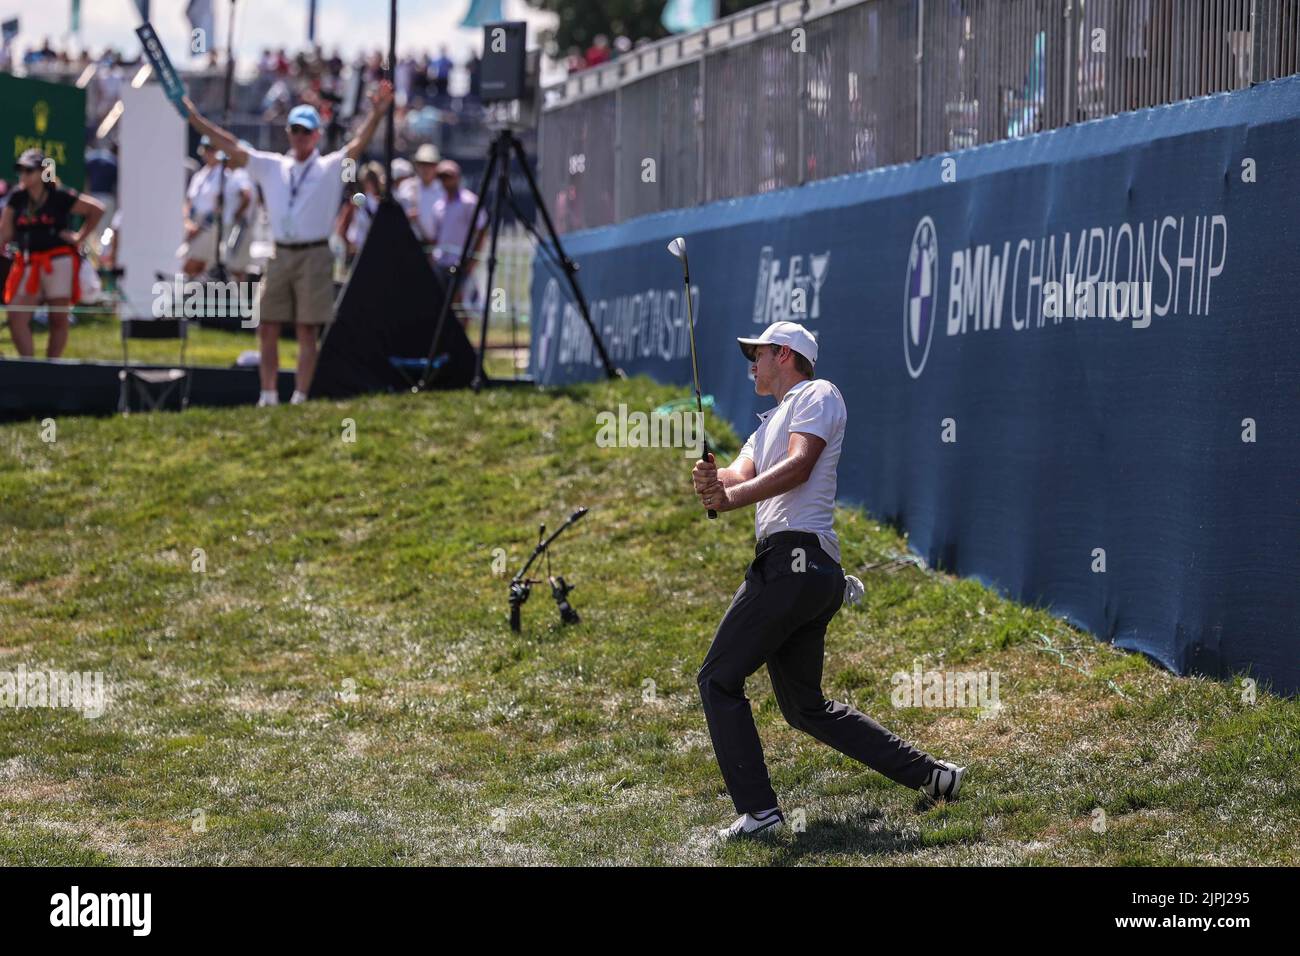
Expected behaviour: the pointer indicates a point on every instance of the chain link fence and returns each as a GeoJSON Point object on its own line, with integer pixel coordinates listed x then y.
{"type": "Point", "coordinates": [798, 90]}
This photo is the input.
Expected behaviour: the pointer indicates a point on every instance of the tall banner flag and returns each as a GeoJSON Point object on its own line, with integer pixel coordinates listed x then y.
{"type": "Point", "coordinates": [162, 65]}
{"type": "Point", "coordinates": [481, 12]}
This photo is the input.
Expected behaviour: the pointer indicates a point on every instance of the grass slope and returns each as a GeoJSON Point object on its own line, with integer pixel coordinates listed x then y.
{"type": "Point", "coordinates": [365, 570]}
{"type": "Point", "coordinates": [98, 337]}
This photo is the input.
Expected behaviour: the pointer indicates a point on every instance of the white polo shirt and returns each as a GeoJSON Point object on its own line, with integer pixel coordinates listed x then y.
{"type": "Point", "coordinates": [452, 219]}
{"type": "Point", "coordinates": [419, 200]}
{"type": "Point", "coordinates": [202, 192]}
{"type": "Point", "coordinates": [302, 199]}
{"type": "Point", "coordinates": [813, 407]}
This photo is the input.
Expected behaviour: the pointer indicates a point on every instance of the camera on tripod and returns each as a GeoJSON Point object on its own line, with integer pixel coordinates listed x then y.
{"type": "Point", "coordinates": [508, 81]}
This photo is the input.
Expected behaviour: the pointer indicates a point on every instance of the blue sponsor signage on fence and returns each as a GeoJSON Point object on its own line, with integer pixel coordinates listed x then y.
{"type": "Point", "coordinates": [1071, 362]}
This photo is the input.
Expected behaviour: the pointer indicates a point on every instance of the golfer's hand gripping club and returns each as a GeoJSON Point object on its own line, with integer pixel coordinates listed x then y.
{"type": "Point", "coordinates": [678, 248]}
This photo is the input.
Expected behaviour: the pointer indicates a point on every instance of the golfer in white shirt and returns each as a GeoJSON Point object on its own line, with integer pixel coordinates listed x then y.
{"type": "Point", "coordinates": [792, 589]}
{"type": "Point", "coordinates": [303, 191]}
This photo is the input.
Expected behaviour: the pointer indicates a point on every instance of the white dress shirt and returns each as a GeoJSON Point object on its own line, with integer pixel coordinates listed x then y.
{"type": "Point", "coordinates": [420, 199]}
{"type": "Point", "coordinates": [302, 199]}
{"type": "Point", "coordinates": [813, 407]}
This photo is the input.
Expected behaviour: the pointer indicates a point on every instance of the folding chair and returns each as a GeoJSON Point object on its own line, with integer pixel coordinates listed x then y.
{"type": "Point", "coordinates": [412, 369]}
{"type": "Point", "coordinates": [154, 387]}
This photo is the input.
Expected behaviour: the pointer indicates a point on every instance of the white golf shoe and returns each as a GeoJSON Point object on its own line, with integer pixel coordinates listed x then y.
{"type": "Point", "coordinates": [765, 822]}
{"type": "Point", "coordinates": [944, 782]}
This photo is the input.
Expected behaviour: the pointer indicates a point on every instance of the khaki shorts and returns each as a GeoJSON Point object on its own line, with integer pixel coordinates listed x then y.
{"type": "Point", "coordinates": [298, 287]}
{"type": "Point", "coordinates": [203, 247]}
{"type": "Point", "coordinates": [55, 284]}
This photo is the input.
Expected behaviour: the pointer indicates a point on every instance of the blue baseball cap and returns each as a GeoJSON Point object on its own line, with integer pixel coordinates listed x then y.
{"type": "Point", "coordinates": [304, 115]}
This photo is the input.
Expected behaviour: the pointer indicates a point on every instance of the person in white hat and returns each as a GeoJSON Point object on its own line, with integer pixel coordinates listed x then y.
{"type": "Point", "coordinates": [792, 589]}
{"type": "Point", "coordinates": [420, 194]}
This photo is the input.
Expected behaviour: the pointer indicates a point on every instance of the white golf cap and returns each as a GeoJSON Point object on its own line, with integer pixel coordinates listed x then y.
{"type": "Point", "coordinates": [784, 333]}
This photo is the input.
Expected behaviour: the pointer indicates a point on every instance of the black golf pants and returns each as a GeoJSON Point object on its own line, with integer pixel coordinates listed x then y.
{"type": "Point", "coordinates": [779, 616]}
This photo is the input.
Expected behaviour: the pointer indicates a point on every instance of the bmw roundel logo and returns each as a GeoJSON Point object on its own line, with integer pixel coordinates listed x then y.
{"type": "Point", "coordinates": [919, 295]}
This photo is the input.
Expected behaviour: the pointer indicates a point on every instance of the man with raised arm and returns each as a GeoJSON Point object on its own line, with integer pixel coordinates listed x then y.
{"type": "Point", "coordinates": [302, 190]}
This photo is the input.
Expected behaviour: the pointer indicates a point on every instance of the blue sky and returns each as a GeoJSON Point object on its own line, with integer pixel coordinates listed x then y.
{"type": "Point", "coordinates": [350, 25]}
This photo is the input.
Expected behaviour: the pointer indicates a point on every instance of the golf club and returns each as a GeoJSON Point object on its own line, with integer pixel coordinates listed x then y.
{"type": "Point", "coordinates": [678, 248]}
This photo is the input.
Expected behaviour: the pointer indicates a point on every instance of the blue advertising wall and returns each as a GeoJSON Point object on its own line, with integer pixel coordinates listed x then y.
{"type": "Point", "coordinates": [1077, 440]}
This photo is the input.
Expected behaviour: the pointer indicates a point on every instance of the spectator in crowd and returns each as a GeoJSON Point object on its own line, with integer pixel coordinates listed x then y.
{"type": "Point", "coordinates": [46, 267]}
{"type": "Point", "coordinates": [373, 67]}
{"type": "Point", "coordinates": [475, 69]}
{"type": "Point", "coordinates": [357, 216]}
{"type": "Point", "coordinates": [302, 191]}
{"type": "Point", "coordinates": [42, 54]}
{"type": "Point", "coordinates": [200, 212]}
{"type": "Point", "coordinates": [599, 51]}
{"type": "Point", "coordinates": [567, 208]}
{"type": "Point", "coordinates": [420, 78]}
{"type": "Point", "coordinates": [420, 193]}
{"type": "Point", "coordinates": [402, 81]}
{"type": "Point", "coordinates": [277, 101]}
{"type": "Point", "coordinates": [402, 171]}
{"type": "Point", "coordinates": [453, 218]}
{"type": "Point", "coordinates": [441, 75]}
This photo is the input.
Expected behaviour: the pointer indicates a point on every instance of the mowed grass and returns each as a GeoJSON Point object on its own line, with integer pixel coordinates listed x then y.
{"type": "Point", "coordinates": [98, 337]}
{"type": "Point", "coordinates": [340, 685]}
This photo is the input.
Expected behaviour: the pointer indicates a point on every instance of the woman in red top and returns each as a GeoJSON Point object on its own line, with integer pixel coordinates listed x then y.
{"type": "Point", "coordinates": [46, 262]}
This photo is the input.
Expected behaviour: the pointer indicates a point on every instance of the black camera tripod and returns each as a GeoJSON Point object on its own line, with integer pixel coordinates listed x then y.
{"type": "Point", "coordinates": [504, 144]}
